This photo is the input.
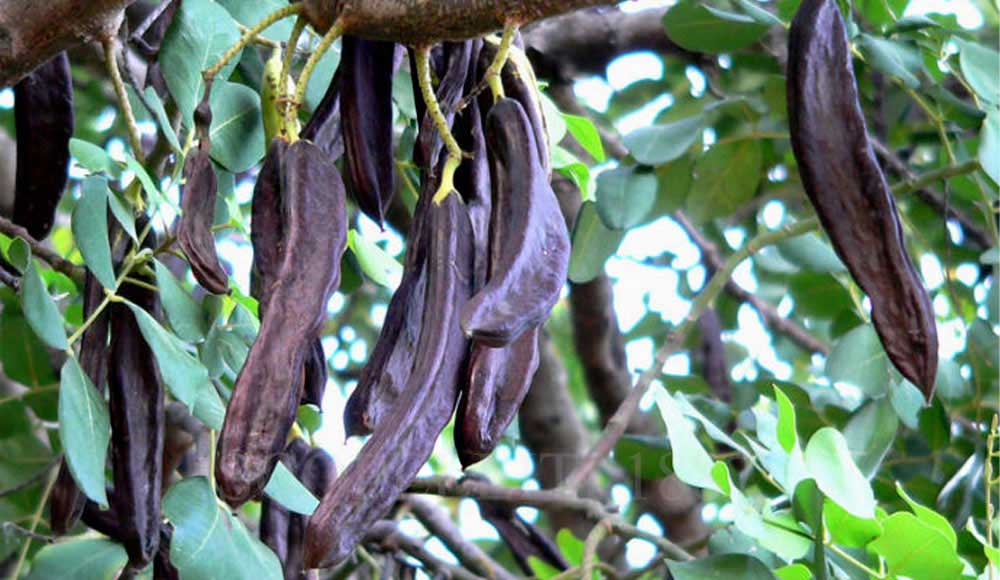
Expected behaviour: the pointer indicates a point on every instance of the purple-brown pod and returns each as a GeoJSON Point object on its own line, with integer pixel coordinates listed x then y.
{"type": "Point", "coordinates": [43, 118]}
{"type": "Point", "coordinates": [366, 122]}
{"type": "Point", "coordinates": [845, 184]}
{"type": "Point", "coordinates": [323, 127]}
{"type": "Point", "coordinates": [266, 223]}
{"type": "Point", "coordinates": [194, 229]}
{"type": "Point", "coordinates": [529, 244]}
{"type": "Point", "coordinates": [317, 472]}
{"type": "Point", "coordinates": [391, 458]}
{"type": "Point", "coordinates": [455, 60]}
{"type": "Point", "coordinates": [497, 381]}
{"type": "Point", "coordinates": [314, 386]}
{"type": "Point", "coordinates": [136, 407]}
{"type": "Point", "coordinates": [274, 518]}
{"type": "Point", "coordinates": [269, 386]}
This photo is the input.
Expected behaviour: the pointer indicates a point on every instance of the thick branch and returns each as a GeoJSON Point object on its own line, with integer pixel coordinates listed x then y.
{"type": "Point", "coordinates": [32, 32]}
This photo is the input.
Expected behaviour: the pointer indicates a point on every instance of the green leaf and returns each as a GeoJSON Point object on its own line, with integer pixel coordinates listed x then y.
{"type": "Point", "coordinates": [658, 144]}
{"type": "Point", "coordinates": [849, 530]}
{"type": "Point", "coordinates": [989, 145]}
{"type": "Point", "coordinates": [583, 130]}
{"type": "Point", "coordinates": [90, 229]}
{"type": "Point", "coordinates": [725, 177]}
{"type": "Point", "coordinates": [93, 158]}
{"type": "Point", "coordinates": [759, 14]}
{"type": "Point", "coordinates": [84, 430]}
{"type": "Point", "coordinates": [570, 167]}
{"type": "Point", "coordinates": [80, 559]}
{"type": "Point", "coordinates": [829, 461]}
{"type": "Point", "coordinates": [793, 572]}
{"type": "Point", "coordinates": [24, 357]}
{"type": "Point", "coordinates": [870, 433]}
{"type": "Point", "coordinates": [199, 34]}
{"type": "Point", "coordinates": [858, 358]}
{"type": "Point", "coordinates": [183, 312]}
{"type": "Point", "coordinates": [692, 464]}
{"type": "Point", "coordinates": [250, 13]}
{"type": "Point", "coordinates": [787, 436]}
{"type": "Point", "coordinates": [148, 185]}
{"type": "Point", "coordinates": [979, 66]}
{"type": "Point", "coordinates": [540, 569]}
{"type": "Point", "coordinates": [644, 456]}
{"type": "Point", "coordinates": [721, 567]}
{"type": "Point", "coordinates": [375, 262]}
{"type": "Point", "coordinates": [181, 372]}
{"type": "Point", "coordinates": [811, 253]}
{"type": "Point", "coordinates": [930, 517]}
{"type": "Point", "coordinates": [908, 401]}
{"type": "Point", "coordinates": [593, 244]}
{"type": "Point", "coordinates": [155, 106]}
{"type": "Point", "coordinates": [949, 384]}
{"type": "Point", "coordinates": [285, 489]}
{"type": "Point", "coordinates": [237, 131]}
{"type": "Point", "coordinates": [122, 213]}
{"type": "Point", "coordinates": [209, 542]}
{"type": "Point", "coordinates": [893, 58]}
{"type": "Point", "coordinates": [570, 546]}
{"type": "Point", "coordinates": [625, 196]}
{"type": "Point", "coordinates": [916, 550]}
{"type": "Point", "coordinates": [40, 310]}
{"type": "Point", "coordinates": [696, 27]}
{"type": "Point", "coordinates": [19, 254]}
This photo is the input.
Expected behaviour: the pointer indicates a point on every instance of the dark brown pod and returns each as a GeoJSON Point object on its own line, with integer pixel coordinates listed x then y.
{"type": "Point", "coordinates": [136, 407]}
{"type": "Point", "coordinates": [454, 61]}
{"type": "Point", "coordinates": [274, 519]}
{"type": "Point", "coordinates": [323, 127]}
{"type": "Point", "coordinates": [268, 388]}
{"type": "Point", "coordinates": [498, 380]}
{"type": "Point", "coordinates": [366, 122]}
{"type": "Point", "coordinates": [315, 375]}
{"type": "Point", "coordinates": [43, 118]}
{"type": "Point", "coordinates": [391, 458]}
{"type": "Point", "coordinates": [317, 472]}
{"type": "Point", "coordinates": [529, 244]}
{"type": "Point", "coordinates": [848, 189]}
{"type": "Point", "coordinates": [194, 229]}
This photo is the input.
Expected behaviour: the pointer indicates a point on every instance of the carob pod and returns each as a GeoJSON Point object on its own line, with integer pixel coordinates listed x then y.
{"type": "Point", "coordinates": [43, 118]}
{"type": "Point", "coordinates": [366, 122]}
{"type": "Point", "coordinates": [848, 189]}
{"type": "Point", "coordinates": [194, 229]}
{"type": "Point", "coordinates": [136, 407]}
{"type": "Point", "coordinates": [274, 518]}
{"type": "Point", "coordinates": [529, 244]}
{"type": "Point", "coordinates": [317, 472]}
{"type": "Point", "coordinates": [391, 458]}
{"type": "Point", "coordinates": [107, 522]}
{"type": "Point", "coordinates": [387, 371]}
{"type": "Point", "coordinates": [453, 64]}
{"type": "Point", "coordinates": [314, 384]}
{"type": "Point", "coordinates": [269, 386]}
{"type": "Point", "coordinates": [323, 127]}
{"type": "Point", "coordinates": [498, 379]}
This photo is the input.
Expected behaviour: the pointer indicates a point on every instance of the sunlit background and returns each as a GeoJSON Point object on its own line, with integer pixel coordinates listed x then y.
{"type": "Point", "coordinates": [639, 287]}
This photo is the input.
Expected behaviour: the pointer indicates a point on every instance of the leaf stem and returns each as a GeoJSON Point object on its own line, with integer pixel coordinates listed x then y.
{"type": "Point", "coordinates": [110, 46]}
{"type": "Point", "coordinates": [447, 185]}
{"type": "Point", "coordinates": [335, 32]}
{"type": "Point", "coordinates": [288, 110]}
{"type": "Point", "coordinates": [492, 75]}
{"type": "Point", "coordinates": [248, 36]}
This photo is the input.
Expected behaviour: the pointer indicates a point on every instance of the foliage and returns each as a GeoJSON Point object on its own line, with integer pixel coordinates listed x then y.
{"type": "Point", "coordinates": [822, 466]}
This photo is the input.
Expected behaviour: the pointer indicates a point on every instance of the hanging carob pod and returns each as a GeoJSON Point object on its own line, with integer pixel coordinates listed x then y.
{"type": "Point", "coordinates": [274, 518]}
{"type": "Point", "coordinates": [108, 523]}
{"type": "Point", "coordinates": [366, 122]}
{"type": "Point", "coordinates": [269, 386]}
{"type": "Point", "coordinates": [317, 472]}
{"type": "Point", "coordinates": [529, 243]}
{"type": "Point", "coordinates": [391, 458]}
{"type": "Point", "coordinates": [845, 184]}
{"type": "Point", "coordinates": [323, 127]}
{"type": "Point", "coordinates": [136, 407]}
{"type": "Point", "coordinates": [43, 118]}
{"type": "Point", "coordinates": [194, 229]}
{"type": "Point", "coordinates": [388, 369]}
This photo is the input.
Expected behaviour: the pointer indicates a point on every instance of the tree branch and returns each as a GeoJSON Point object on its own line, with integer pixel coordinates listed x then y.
{"type": "Point", "coordinates": [58, 263]}
{"type": "Point", "coordinates": [389, 537]}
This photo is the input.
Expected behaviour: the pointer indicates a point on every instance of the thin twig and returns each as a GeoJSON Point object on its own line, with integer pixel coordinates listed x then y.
{"type": "Point", "coordinates": [110, 46]}
{"type": "Point", "coordinates": [58, 263]}
{"type": "Point", "coordinates": [8, 279]}
{"type": "Point", "coordinates": [37, 517]}
{"type": "Point", "coordinates": [387, 534]}
{"type": "Point", "coordinates": [594, 539]}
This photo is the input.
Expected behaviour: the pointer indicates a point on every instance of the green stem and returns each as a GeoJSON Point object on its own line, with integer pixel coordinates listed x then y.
{"type": "Point", "coordinates": [110, 45]}
{"type": "Point", "coordinates": [248, 37]}
{"type": "Point", "coordinates": [447, 184]}
{"type": "Point", "coordinates": [35, 519]}
{"type": "Point", "coordinates": [492, 75]}
{"type": "Point", "coordinates": [286, 68]}
{"type": "Point", "coordinates": [335, 32]}
{"type": "Point", "coordinates": [923, 180]}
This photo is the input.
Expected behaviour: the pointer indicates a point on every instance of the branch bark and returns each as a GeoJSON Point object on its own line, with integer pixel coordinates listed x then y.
{"type": "Point", "coordinates": [38, 250]}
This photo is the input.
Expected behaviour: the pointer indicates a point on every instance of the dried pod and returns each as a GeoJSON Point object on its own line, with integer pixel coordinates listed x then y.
{"type": "Point", "coordinates": [498, 380]}
{"type": "Point", "coordinates": [391, 458]}
{"type": "Point", "coordinates": [268, 388]}
{"type": "Point", "coordinates": [529, 244]}
{"type": "Point", "coordinates": [315, 375]}
{"type": "Point", "coordinates": [366, 122]}
{"type": "Point", "coordinates": [274, 519]}
{"type": "Point", "coordinates": [453, 62]}
{"type": "Point", "coordinates": [848, 189]}
{"type": "Point", "coordinates": [323, 127]}
{"type": "Point", "coordinates": [317, 472]}
{"type": "Point", "coordinates": [136, 407]}
{"type": "Point", "coordinates": [43, 118]}
{"type": "Point", "coordinates": [194, 229]}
